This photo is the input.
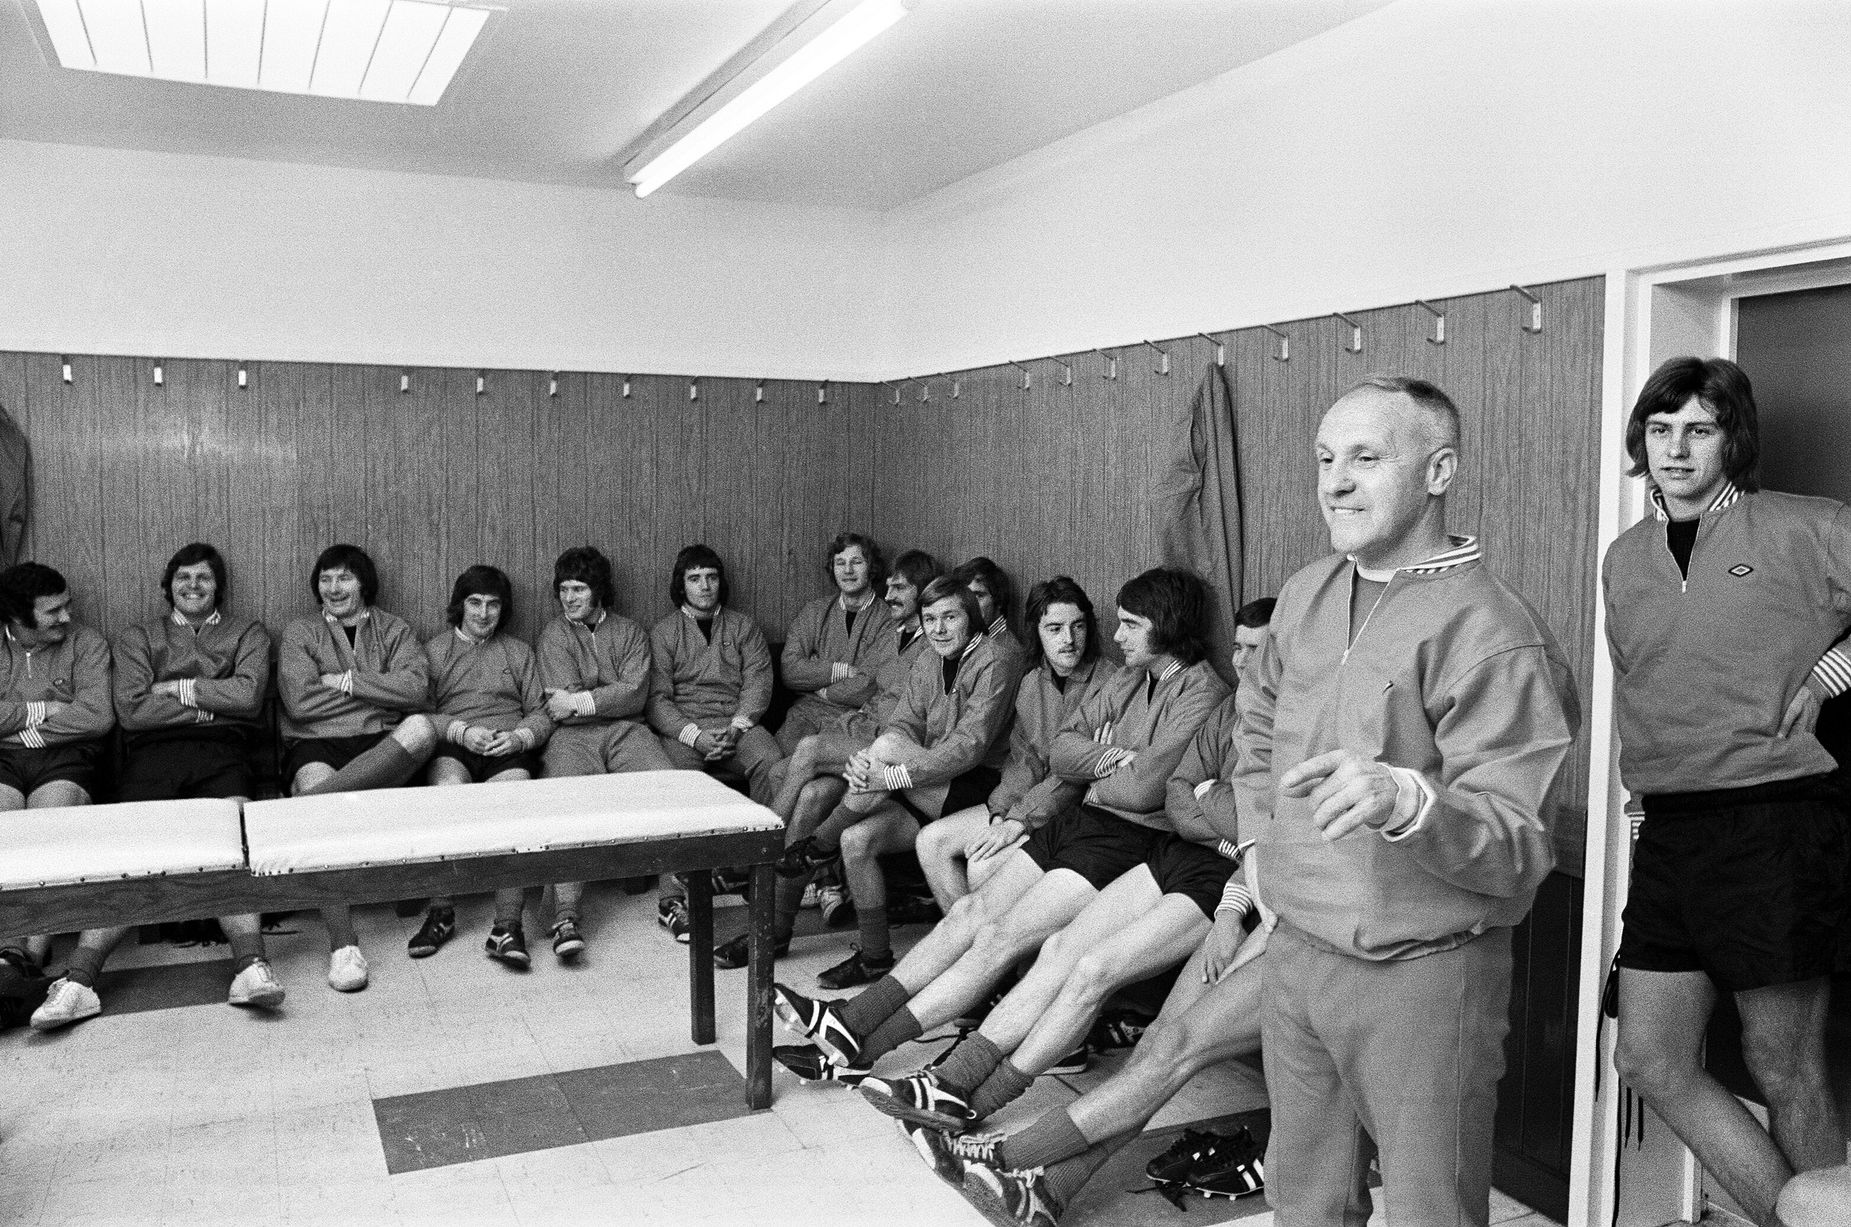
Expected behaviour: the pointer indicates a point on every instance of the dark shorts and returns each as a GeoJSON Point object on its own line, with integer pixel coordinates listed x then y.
{"type": "Point", "coordinates": [337, 752]}
{"type": "Point", "coordinates": [482, 768]}
{"type": "Point", "coordinates": [1096, 844]}
{"type": "Point", "coordinates": [1746, 884]}
{"type": "Point", "coordinates": [23, 769]}
{"type": "Point", "coordinates": [1184, 868]}
{"type": "Point", "coordinates": [972, 788]}
{"type": "Point", "coordinates": [182, 768]}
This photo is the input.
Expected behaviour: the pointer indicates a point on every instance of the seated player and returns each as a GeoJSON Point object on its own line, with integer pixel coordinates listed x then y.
{"type": "Point", "coordinates": [1127, 739]}
{"type": "Point", "coordinates": [808, 785]}
{"type": "Point", "coordinates": [932, 756]}
{"type": "Point", "coordinates": [838, 643]}
{"type": "Point", "coordinates": [1064, 667]}
{"type": "Point", "coordinates": [709, 685]}
{"type": "Point", "coordinates": [489, 709]}
{"type": "Point", "coordinates": [996, 594]}
{"type": "Point", "coordinates": [353, 681]}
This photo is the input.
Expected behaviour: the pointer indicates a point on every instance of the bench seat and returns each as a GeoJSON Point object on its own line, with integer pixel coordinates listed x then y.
{"type": "Point", "coordinates": [107, 843]}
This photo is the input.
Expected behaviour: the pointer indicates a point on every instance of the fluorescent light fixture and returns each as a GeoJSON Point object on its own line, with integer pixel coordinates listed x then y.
{"type": "Point", "coordinates": [404, 51]}
{"type": "Point", "coordinates": [836, 40]}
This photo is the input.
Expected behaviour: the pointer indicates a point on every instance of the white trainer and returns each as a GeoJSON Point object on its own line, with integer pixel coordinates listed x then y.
{"type": "Point", "coordinates": [347, 970]}
{"type": "Point", "coordinates": [258, 986]}
{"type": "Point", "coordinates": [66, 1003]}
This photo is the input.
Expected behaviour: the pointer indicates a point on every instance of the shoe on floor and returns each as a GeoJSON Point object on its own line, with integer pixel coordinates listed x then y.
{"type": "Point", "coordinates": [256, 986]}
{"type": "Point", "coordinates": [817, 1021]}
{"type": "Point", "coordinates": [568, 942]}
{"type": "Point", "coordinates": [1009, 1197]}
{"type": "Point", "coordinates": [812, 1064]}
{"type": "Point", "coordinates": [734, 952]}
{"type": "Point", "coordinates": [921, 1098]}
{"type": "Point", "coordinates": [67, 1002]}
{"type": "Point", "coordinates": [854, 970]}
{"type": "Point", "coordinates": [835, 907]}
{"type": "Point", "coordinates": [507, 944]}
{"type": "Point", "coordinates": [1075, 1062]}
{"type": "Point", "coordinates": [1229, 1166]}
{"type": "Point", "coordinates": [439, 924]}
{"type": "Point", "coordinates": [946, 1153]}
{"type": "Point", "coordinates": [347, 970]}
{"type": "Point", "coordinates": [810, 897]}
{"type": "Point", "coordinates": [672, 914]}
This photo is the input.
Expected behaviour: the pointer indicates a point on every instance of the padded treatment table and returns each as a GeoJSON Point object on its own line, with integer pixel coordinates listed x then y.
{"type": "Point", "coordinates": [140, 863]}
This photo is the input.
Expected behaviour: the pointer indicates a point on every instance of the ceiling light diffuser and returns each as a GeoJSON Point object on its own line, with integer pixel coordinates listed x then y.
{"type": "Point", "coordinates": [827, 48]}
{"type": "Point", "coordinates": [404, 51]}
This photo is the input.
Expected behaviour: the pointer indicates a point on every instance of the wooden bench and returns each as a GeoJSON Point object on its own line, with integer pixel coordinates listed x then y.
{"type": "Point", "coordinates": [142, 863]}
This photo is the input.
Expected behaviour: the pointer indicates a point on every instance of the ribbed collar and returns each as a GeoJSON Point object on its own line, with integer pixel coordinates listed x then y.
{"type": "Point", "coordinates": [179, 619]}
{"type": "Point", "coordinates": [1461, 551]}
{"type": "Point", "coordinates": [1727, 497]}
{"type": "Point", "coordinates": [366, 615]}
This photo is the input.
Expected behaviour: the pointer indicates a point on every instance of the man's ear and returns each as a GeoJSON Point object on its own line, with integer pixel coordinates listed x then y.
{"type": "Point", "coordinates": [1442, 467]}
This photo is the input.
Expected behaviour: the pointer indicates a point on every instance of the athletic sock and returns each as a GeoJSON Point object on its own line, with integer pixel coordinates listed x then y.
{"type": "Point", "coordinates": [1065, 1179]}
{"type": "Point", "coordinates": [969, 1062]}
{"type": "Point", "coordinates": [86, 965]}
{"type": "Point", "coordinates": [246, 948]}
{"type": "Point", "coordinates": [386, 765]}
{"type": "Point", "coordinates": [828, 832]}
{"type": "Point", "coordinates": [901, 1028]}
{"type": "Point", "coordinates": [1004, 1086]}
{"type": "Point", "coordinates": [786, 901]}
{"type": "Point", "coordinates": [1052, 1139]}
{"type": "Point", "coordinates": [873, 1005]}
{"type": "Point", "coordinates": [875, 941]}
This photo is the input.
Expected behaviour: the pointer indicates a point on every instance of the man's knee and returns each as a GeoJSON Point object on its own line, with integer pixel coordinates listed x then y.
{"type": "Point", "coordinates": [1651, 1068]}
{"type": "Point", "coordinates": [1088, 982]}
{"type": "Point", "coordinates": [57, 794]}
{"type": "Point", "coordinates": [416, 735]}
{"type": "Point", "coordinates": [1784, 1065]}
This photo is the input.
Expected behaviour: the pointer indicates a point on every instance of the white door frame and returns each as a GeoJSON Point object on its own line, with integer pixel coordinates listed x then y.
{"type": "Point", "coordinates": [1652, 313]}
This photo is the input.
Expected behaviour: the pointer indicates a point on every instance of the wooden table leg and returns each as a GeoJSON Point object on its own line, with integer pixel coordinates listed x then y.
{"type": "Point", "coordinates": [700, 954]}
{"type": "Point", "coordinates": [758, 991]}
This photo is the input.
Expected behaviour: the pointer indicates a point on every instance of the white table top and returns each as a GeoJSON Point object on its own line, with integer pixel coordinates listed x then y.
{"type": "Point", "coordinates": [99, 843]}
{"type": "Point", "coordinates": [408, 825]}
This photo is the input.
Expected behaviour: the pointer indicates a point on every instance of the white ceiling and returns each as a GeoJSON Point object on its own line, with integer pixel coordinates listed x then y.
{"type": "Point", "coordinates": [557, 88]}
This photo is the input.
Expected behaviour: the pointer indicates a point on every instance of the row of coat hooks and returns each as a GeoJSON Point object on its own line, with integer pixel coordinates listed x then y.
{"type": "Point", "coordinates": [1279, 352]}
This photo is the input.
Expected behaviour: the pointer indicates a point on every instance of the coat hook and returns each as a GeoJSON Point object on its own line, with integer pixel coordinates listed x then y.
{"type": "Point", "coordinates": [758, 393]}
{"type": "Point", "coordinates": [1356, 332]}
{"type": "Point", "coordinates": [1027, 378]}
{"type": "Point", "coordinates": [1111, 363]}
{"type": "Point", "coordinates": [1221, 349]}
{"type": "Point", "coordinates": [1535, 324]}
{"type": "Point", "coordinates": [694, 390]}
{"type": "Point", "coordinates": [404, 382]}
{"type": "Point", "coordinates": [160, 375]}
{"type": "Point", "coordinates": [481, 383]}
{"type": "Point", "coordinates": [896, 393]}
{"type": "Point", "coordinates": [1439, 322]}
{"type": "Point", "coordinates": [65, 363]}
{"type": "Point", "coordinates": [954, 384]}
{"type": "Point", "coordinates": [1163, 365]}
{"type": "Point", "coordinates": [822, 392]}
{"type": "Point", "coordinates": [552, 384]}
{"type": "Point", "coordinates": [925, 389]}
{"type": "Point", "coordinates": [626, 387]}
{"type": "Point", "coordinates": [1066, 372]}
{"type": "Point", "coordinates": [244, 376]}
{"type": "Point", "coordinates": [1284, 352]}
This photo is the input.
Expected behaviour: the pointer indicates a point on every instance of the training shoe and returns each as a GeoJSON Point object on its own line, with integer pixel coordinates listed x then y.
{"type": "Point", "coordinates": [509, 945]}
{"type": "Point", "coordinates": [735, 952]}
{"type": "Point", "coordinates": [672, 914]}
{"type": "Point", "coordinates": [347, 970]}
{"type": "Point", "coordinates": [856, 969]}
{"type": "Point", "coordinates": [1009, 1198]}
{"type": "Point", "coordinates": [66, 1002]}
{"type": "Point", "coordinates": [920, 1098]}
{"type": "Point", "coordinates": [568, 942]}
{"type": "Point", "coordinates": [812, 1064]}
{"type": "Point", "coordinates": [817, 1021]}
{"type": "Point", "coordinates": [1075, 1062]}
{"type": "Point", "coordinates": [1230, 1166]}
{"type": "Point", "coordinates": [804, 858]}
{"type": "Point", "coordinates": [835, 907]}
{"type": "Point", "coordinates": [810, 897]}
{"type": "Point", "coordinates": [946, 1153]}
{"type": "Point", "coordinates": [439, 924]}
{"type": "Point", "coordinates": [256, 986]}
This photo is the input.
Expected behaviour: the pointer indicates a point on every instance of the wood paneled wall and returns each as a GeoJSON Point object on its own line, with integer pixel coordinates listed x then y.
{"type": "Point", "coordinates": [429, 481]}
{"type": "Point", "coordinates": [1055, 478]}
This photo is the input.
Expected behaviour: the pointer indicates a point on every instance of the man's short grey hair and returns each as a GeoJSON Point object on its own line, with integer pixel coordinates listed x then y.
{"type": "Point", "coordinates": [1437, 408]}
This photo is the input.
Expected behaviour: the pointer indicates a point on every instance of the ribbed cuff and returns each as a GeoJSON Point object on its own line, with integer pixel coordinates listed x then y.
{"type": "Point", "coordinates": [689, 734]}
{"type": "Point", "coordinates": [345, 684]}
{"type": "Point", "coordinates": [1832, 675]}
{"type": "Point", "coordinates": [32, 739]}
{"type": "Point", "coordinates": [1109, 760]}
{"type": "Point", "coordinates": [1235, 898]}
{"type": "Point", "coordinates": [189, 692]}
{"type": "Point", "coordinates": [897, 777]}
{"type": "Point", "coordinates": [454, 734]}
{"type": "Point", "coordinates": [35, 714]}
{"type": "Point", "coordinates": [1414, 798]}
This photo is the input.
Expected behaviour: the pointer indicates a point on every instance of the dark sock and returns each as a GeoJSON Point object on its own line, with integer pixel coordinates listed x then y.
{"type": "Point", "coordinates": [901, 1028]}
{"type": "Point", "coordinates": [875, 943]}
{"type": "Point", "coordinates": [386, 765]}
{"type": "Point", "coordinates": [86, 965]}
{"type": "Point", "coordinates": [1065, 1179]}
{"type": "Point", "coordinates": [245, 949]}
{"type": "Point", "coordinates": [828, 832]}
{"type": "Point", "coordinates": [785, 903]}
{"type": "Point", "coordinates": [873, 1005]}
{"type": "Point", "coordinates": [1052, 1138]}
{"type": "Point", "coordinates": [969, 1063]}
{"type": "Point", "coordinates": [1004, 1086]}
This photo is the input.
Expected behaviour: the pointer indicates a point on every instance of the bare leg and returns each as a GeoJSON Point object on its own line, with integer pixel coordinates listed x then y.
{"type": "Point", "coordinates": [1783, 1043]}
{"type": "Point", "coordinates": [889, 829]}
{"type": "Point", "coordinates": [951, 937]}
{"type": "Point", "coordinates": [338, 917]}
{"type": "Point", "coordinates": [1663, 1016]}
{"type": "Point", "coordinates": [941, 852]}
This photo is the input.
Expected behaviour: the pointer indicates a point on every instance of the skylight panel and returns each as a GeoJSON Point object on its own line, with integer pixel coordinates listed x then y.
{"type": "Point", "coordinates": [403, 51]}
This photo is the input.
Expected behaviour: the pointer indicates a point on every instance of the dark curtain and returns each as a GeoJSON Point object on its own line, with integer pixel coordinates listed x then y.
{"type": "Point", "coordinates": [1196, 505]}
{"type": "Point", "coordinates": [15, 479]}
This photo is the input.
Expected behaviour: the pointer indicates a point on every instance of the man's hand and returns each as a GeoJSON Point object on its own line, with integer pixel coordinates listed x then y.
{"type": "Point", "coordinates": [331, 680]}
{"type": "Point", "coordinates": [53, 707]}
{"type": "Point", "coordinates": [500, 745]}
{"type": "Point", "coordinates": [560, 704]}
{"type": "Point", "coordinates": [167, 688]}
{"type": "Point", "coordinates": [1346, 790]}
{"type": "Point", "coordinates": [712, 748]}
{"type": "Point", "coordinates": [1802, 714]}
{"type": "Point", "coordinates": [1221, 945]}
{"type": "Point", "coordinates": [859, 773]}
{"type": "Point", "coordinates": [997, 837]}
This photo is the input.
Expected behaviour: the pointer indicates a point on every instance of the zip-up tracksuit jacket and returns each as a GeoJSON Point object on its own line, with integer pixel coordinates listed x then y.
{"type": "Point", "coordinates": [391, 678]}
{"type": "Point", "coordinates": [1704, 667]}
{"type": "Point", "coordinates": [819, 639]}
{"type": "Point", "coordinates": [707, 684]}
{"type": "Point", "coordinates": [494, 683]}
{"type": "Point", "coordinates": [1030, 792]}
{"type": "Point", "coordinates": [1158, 726]}
{"type": "Point", "coordinates": [959, 727]}
{"type": "Point", "coordinates": [896, 665]}
{"type": "Point", "coordinates": [75, 673]}
{"type": "Point", "coordinates": [225, 664]}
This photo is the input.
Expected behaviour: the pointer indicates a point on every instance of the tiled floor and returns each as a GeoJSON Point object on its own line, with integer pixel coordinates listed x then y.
{"type": "Point", "coordinates": [205, 1114]}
